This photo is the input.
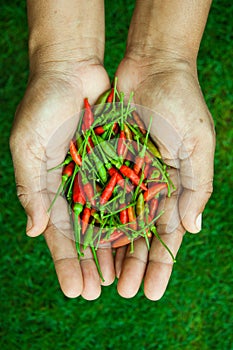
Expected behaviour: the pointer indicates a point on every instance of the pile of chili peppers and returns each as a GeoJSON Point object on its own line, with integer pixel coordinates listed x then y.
{"type": "Point", "coordinates": [113, 177]}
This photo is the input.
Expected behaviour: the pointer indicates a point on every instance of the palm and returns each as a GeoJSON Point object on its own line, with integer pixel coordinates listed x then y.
{"type": "Point", "coordinates": [45, 121]}
{"type": "Point", "coordinates": [182, 128]}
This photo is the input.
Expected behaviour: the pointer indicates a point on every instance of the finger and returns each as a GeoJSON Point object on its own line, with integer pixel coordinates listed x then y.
{"type": "Point", "coordinates": [31, 187]}
{"type": "Point", "coordinates": [133, 269]}
{"type": "Point", "coordinates": [171, 232]}
{"type": "Point", "coordinates": [160, 263]}
{"type": "Point", "coordinates": [119, 259]}
{"type": "Point", "coordinates": [91, 278]}
{"type": "Point", "coordinates": [106, 262]}
{"type": "Point", "coordinates": [196, 170]}
{"type": "Point", "coordinates": [66, 262]}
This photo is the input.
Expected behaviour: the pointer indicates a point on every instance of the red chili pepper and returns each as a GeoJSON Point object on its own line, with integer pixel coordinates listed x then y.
{"type": "Point", "coordinates": [78, 195]}
{"type": "Point", "coordinates": [146, 171]}
{"type": "Point", "coordinates": [126, 171]}
{"type": "Point", "coordinates": [85, 218]}
{"type": "Point", "coordinates": [120, 179]}
{"type": "Point", "coordinates": [68, 170]}
{"type": "Point", "coordinates": [123, 240]}
{"type": "Point", "coordinates": [148, 157]}
{"type": "Point", "coordinates": [88, 189]}
{"type": "Point", "coordinates": [121, 147]}
{"type": "Point", "coordinates": [153, 190]}
{"type": "Point", "coordinates": [139, 122]}
{"type": "Point", "coordinates": [90, 142]}
{"type": "Point", "coordinates": [138, 164]}
{"type": "Point", "coordinates": [88, 117]}
{"type": "Point", "coordinates": [115, 235]}
{"type": "Point", "coordinates": [110, 96]}
{"type": "Point", "coordinates": [132, 218]}
{"type": "Point", "coordinates": [74, 154]}
{"type": "Point", "coordinates": [107, 192]}
{"type": "Point", "coordinates": [154, 203]}
{"type": "Point", "coordinates": [124, 218]}
{"type": "Point", "coordinates": [99, 130]}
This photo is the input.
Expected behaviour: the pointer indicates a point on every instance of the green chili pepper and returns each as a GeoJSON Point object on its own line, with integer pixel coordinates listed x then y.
{"type": "Point", "coordinates": [100, 167]}
{"type": "Point", "coordinates": [140, 208]}
{"type": "Point", "coordinates": [128, 132]}
{"type": "Point", "coordinates": [88, 238]}
{"type": "Point", "coordinates": [108, 148]}
{"type": "Point", "coordinates": [100, 107]}
{"type": "Point", "coordinates": [150, 145]}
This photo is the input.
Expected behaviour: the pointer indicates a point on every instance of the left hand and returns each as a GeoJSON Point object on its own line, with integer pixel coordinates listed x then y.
{"type": "Point", "coordinates": [170, 88]}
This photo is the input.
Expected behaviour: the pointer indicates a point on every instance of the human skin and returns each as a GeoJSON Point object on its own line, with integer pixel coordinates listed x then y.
{"type": "Point", "coordinates": [66, 50]}
{"type": "Point", "coordinates": [160, 67]}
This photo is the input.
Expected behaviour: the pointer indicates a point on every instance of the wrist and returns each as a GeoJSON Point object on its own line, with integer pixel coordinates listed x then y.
{"type": "Point", "coordinates": [61, 36]}
{"type": "Point", "coordinates": [63, 56]}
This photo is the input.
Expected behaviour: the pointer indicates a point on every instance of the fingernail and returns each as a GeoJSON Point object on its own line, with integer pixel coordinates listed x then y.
{"type": "Point", "coordinates": [29, 224]}
{"type": "Point", "coordinates": [199, 222]}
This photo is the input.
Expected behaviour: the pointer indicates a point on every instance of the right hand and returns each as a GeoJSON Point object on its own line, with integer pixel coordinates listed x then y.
{"type": "Point", "coordinates": [51, 99]}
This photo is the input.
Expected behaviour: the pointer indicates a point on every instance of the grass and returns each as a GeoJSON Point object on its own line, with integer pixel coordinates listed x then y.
{"type": "Point", "coordinates": [195, 312]}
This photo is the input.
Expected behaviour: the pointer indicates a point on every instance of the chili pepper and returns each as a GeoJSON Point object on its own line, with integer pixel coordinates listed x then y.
{"type": "Point", "coordinates": [140, 206]}
{"type": "Point", "coordinates": [152, 148]}
{"type": "Point", "coordinates": [66, 161]}
{"type": "Point", "coordinates": [74, 154]}
{"type": "Point", "coordinates": [78, 195]}
{"type": "Point", "coordinates": [121, 146]}
{"type": "Point", "coordinates": [100, 167]}
{"type": "Point", "coordinates": [110, 96]}
{"type": "Point", "coordinates": [90, 145]}
{"type": "Point", "coordinates": [146, 171]}
{"type": "Point", "coordinates": [66, 174]}
{"type": "Point", "coordinates": [123, 240]}
{"type": "Point", "coordinates": [99, 130]}
{"type": "Point", "coordinates": [107, 148]}
{"type": "Point", "coordinates": [139, 122]}
{"type": "Point", "coordinates": [138, 164]}
{"type": "Point", "coordinates": [154, 190]}
{"type": "Point", "coordinates": [79, 142]}
{"type": "Point", "coordinates": [85, 218]}
{"type": "Point", "coordinates": [77, 230]}
{"type": "Point", "coordinates": [128, 133]}
{"type": "Point", "coordinates": [124, 218]}
{"type": "Point", "coordinates": [103, 98]}
{"type": "Point", "coordinates": [88, 117]}
{"type": "Point", "coordinates": [126, 171]}
{"type": "Point", "coordinates": [148, 158]}
{"type": "Point", "coordinates": [68, 171]}
{"type": "Point", "coordinates": [132, 218]}
{"type": "Point", "coordinates": [107, 192]}
{"type": "Point", "coordinates": [115, 235]}
{"type": "Point", "coordinates": [154, 203]}
{"type": "Point", "coordinates": [88, 237]}
{"type": "Point", "coordinates": [120, 179]}
{"type": "Point", "coordinates": [88, 189]}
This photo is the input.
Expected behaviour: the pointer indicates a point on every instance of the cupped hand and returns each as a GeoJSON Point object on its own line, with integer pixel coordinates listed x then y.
{"type": "Point", "coordinates": [49, 111]}
{"type": "Point", "coordinates": [183, 129]}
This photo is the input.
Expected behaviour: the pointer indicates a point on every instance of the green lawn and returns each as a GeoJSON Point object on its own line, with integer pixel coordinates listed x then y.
{"type": "Point", "coordinates": [195, 312]}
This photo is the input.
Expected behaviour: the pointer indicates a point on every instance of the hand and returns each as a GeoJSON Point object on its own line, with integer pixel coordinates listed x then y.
{"type": "Point", "coordinates": [52, 98]}
{"type": "Point", "coordinates": [186, 139]}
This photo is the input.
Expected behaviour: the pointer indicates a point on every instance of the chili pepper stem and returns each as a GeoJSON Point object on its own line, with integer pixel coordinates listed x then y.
{"type": "Point", "coordinates": [97, 263]}
{"type": "Point", "coordinates": [153, 229]}
{"type": "Point", "coordinates": [59, 191]}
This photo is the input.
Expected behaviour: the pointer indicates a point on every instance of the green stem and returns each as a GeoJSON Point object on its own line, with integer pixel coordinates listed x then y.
{"type": "Point", "coordinates": [97, 263]}
{"type": "Point", "coordinates": [153, 229]}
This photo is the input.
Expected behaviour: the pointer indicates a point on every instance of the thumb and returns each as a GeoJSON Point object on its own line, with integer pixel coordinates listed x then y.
{"type": "Point", "coordinates": [30, 175]}
{"type": "Point", "coordinates": [196, 171]}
